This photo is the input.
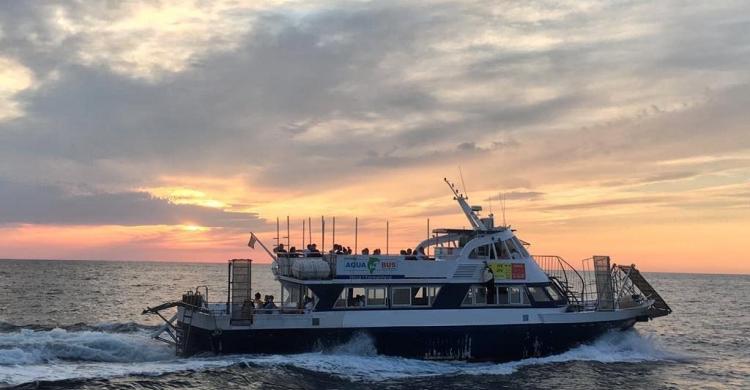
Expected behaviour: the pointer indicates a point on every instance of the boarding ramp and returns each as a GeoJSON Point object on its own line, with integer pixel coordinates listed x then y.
{"type": "Point", "coordinates": [605, 293]}
{"type": "Point", "coordinates": [659, 307]}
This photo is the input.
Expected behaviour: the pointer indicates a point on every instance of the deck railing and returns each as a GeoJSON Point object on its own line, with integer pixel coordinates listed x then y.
{"type": "Point", "coordinates": [574, 284]}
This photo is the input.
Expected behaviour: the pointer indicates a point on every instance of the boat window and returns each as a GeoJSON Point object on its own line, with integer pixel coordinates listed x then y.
{"type": "Point", "coordinates": [469, 298]}
{"type": "Point", "coordinates": [515, 253]}
{"type": "Point", "coordinates": [538, 294]}
{"type": "Point", "coordinates": [520, 247]}
{"type": "Point", "coordinates": [480, 295]}
{"type": "Point", "coordinates": [480, 252]}
{"type": "Point", "coordinates": [553, 293]}
{"type": "Point", "coordinates": [501, 250]}
{"type": "Point", "coordinates": [401, 296]}
{"type": "Point", "coordinates": [477, 295]}
{"type": "Point", "coordinates": [341, 301]}
{"type": "Point", "coordinates": [502, 295]}
{"type": "Point", "coordinates": [517, 295]}
{"type": "Point", "coordinates": [292, 297]}
{"type": "Point", "coordinates": [351, 297]}
{"type": "Point", "coordinates": [433, 291]}
{"type": "Point", "coordinates": [419, 296]}
{"type": "Point", "coordinates": [375, 296]}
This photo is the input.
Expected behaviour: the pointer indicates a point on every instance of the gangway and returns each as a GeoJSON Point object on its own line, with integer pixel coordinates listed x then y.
{"type": "Point", "coordinates": [660, 307]}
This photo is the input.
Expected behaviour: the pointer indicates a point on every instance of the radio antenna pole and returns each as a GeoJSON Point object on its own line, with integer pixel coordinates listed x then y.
{"type": "Point", "coordinates": [463, 185]}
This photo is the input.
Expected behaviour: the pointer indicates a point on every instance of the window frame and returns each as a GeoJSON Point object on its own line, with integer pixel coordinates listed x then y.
{"type": "Point", "coordinates": [375, 288]}
{"type": "Point", "coordinates": [393, 295]}
{"type": "Point", "coordinates": [541, 292]}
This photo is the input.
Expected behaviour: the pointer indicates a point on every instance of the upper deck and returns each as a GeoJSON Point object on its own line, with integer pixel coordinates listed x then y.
{"type": "Point", "coordinates": [460, 256]}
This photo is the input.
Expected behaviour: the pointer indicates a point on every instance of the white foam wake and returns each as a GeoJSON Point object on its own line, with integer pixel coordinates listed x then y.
{"type": "Point", "coordinates": [58, 354]}
{"type": "Point", "coordinates": [356, 361]}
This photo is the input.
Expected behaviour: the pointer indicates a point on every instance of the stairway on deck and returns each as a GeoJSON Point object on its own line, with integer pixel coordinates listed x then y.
{"type": "Point", "coordinates": [660, 307]}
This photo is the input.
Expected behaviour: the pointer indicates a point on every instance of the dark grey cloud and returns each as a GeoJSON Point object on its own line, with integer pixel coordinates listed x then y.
{"type": "Point", "coordinates": [48, 204]}
{"type": "Point", "coordinates": [259, 105]}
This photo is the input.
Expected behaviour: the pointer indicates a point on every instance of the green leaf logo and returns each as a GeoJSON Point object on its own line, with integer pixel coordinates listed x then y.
{"type": "Point", "coordinates": [372, 263]}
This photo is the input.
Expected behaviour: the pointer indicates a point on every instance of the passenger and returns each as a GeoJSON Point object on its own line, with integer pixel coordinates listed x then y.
{"type": "Point", "coordinates": [257, 303]}
{"type": "Point", "coordinates": [408, 251]}
{"type": "Point", "coordinates": [269, 303]}
{"type": "Point", "coordinates": [403, 252]}
{"type": "Point", "coordinates": [366, 251]}
{"type": "Point", "coordinates": [376, 251]}
{"type": "Point", "coordinates": [348, 250]}
{"type": "Point", "coordinates": [314, 252]}
{"type": "Point", "coordinates": [247, 308]}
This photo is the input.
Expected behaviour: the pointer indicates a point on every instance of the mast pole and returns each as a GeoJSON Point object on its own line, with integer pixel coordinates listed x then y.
{"type": "Point", "coordinates": [303, 232]}
{"type": "Point", "coordinates": [322, 234]}
{"type": "Point", "coordinates": [428, 237]}
{"type": "Point", "coordinates": [333, 239]}
{"type": "Point", "coordinates": [387, 235]}
{"type": "Point", "coordinates": [309, 232]}
{"type": "Point", "coordinates": [278, 235]}
{"type": "Point", "coordinates": [288, 236]}
{"type": "Point", "coordinates": [356, 231]}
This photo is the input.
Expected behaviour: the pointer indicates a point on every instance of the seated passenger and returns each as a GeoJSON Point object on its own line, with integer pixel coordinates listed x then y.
{"type": "Point", "coordinates": [403, 252]}
{"type": "Point", "coordinates": [366, 251]}
{"type": "Point", "coordinates": [257, 303]}
{"type": "Point", "coordinates": [269, 303]}
{"type": "Point", "coordinates": [376, 251]}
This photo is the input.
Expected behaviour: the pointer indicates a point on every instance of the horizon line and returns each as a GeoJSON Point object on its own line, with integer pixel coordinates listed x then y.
{"type": "Point", "coordinates": [208, 262]}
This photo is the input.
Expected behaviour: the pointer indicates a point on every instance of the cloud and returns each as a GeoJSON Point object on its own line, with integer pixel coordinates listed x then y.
{"type": "Point", "coordinates": [537, 94]}
{"type": "Point", "coordinates": [47, 204]}
{"type": "Point", "coordinates": [516, 195]}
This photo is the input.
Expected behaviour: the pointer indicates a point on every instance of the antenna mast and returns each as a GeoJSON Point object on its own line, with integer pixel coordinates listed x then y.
{"type": "Point", "coordinates": [463, 185]}
{"type": "Point", "coordinates": [476, 223]}
{"type": "Point", "coordinates": [501, 197]}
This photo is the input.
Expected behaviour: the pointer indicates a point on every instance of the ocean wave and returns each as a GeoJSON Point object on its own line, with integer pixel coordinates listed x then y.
{"type": "Point", "coordinates": [60, 354]}
{"type": "Point", "coordinates": [36, 347]}
{"type": "Point", "coordinates": [355, 360]}
{"type": "Point", "coordinates": [108, 327]}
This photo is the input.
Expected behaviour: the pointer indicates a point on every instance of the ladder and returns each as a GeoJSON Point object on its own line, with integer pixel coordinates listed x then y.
{"type": "Point", "coordinates": [571, 295]}
{"type": "Point", "coordinates": [659, 308]}
{"type": "Point", "coordinates": [183, 332]}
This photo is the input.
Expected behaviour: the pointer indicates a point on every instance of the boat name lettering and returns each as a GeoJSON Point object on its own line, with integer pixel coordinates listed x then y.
{"type": "Point", "coordinates": [372, 264]}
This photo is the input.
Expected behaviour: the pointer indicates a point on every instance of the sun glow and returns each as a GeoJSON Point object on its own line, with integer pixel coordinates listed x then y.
{"type": "Point", "coordinates": [194, 228]}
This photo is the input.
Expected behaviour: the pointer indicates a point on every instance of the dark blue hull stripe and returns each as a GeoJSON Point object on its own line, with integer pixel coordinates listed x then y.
{"type": "Point", "coordinates": [494, 343]}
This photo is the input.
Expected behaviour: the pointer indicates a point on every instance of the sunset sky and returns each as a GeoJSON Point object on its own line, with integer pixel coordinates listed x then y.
{"type": "Point", "coordinates": [170, 130]}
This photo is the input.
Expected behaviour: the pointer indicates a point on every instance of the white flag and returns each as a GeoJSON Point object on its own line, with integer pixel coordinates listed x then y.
{"type": "Point", "coordinates": [252, 241]}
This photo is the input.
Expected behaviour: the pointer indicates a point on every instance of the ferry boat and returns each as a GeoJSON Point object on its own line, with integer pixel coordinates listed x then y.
{"type": "Point", "coordinates": [462, 294]}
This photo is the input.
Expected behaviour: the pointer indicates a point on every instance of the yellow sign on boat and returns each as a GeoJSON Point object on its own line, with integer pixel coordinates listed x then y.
{"type": "Point", "coordinates": [502, 271]}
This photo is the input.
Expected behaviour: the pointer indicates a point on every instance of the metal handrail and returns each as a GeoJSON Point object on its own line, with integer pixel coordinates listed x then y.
{"type": "Point", "coordinates": [550, 263]}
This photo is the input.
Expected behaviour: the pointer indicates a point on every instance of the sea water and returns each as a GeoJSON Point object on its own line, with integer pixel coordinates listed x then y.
{"type": "Point", "coordinates": [77, 324]}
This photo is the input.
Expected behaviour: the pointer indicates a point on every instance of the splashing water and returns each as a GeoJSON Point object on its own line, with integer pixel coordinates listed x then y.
{"type": "Point", "coordinates": [31, 355]}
